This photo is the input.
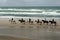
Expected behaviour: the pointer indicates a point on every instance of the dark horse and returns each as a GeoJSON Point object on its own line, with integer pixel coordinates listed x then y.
{"type": "Point", "coordinates": [53, 22]}
{"type": "Point", "coordinates": [30, 21]}
{"type": "Point", "coordinates": [21, 21]}
{"type": "Point", "coordinates": [44, 21]}
{"type": "Point", "coordinates": [38, 21]}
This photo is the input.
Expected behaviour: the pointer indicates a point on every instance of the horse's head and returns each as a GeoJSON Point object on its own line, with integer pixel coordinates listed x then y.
{"type": "Point", "coordinates": [42, 20]}
{"type": "Point", "coordinates": [50, 21]}
{"type": "Point", "coordinates": [35, 21]}
{"type": "Point", "coordinates": [19, 20]}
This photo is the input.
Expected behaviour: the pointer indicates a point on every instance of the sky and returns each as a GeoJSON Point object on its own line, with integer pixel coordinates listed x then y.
{"type": "Point", "coordinates": [19, 3]}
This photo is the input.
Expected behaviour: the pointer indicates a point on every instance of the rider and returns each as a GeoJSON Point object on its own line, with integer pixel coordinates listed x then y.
{"type": "Point", "coordinates": [38, 21]}
{"type": "Point", "coordinates": [22, 19]}
{"type": "Point", "coordinates": [12, 18]}
{"type": "Point", "coordinates": [52, 19]}
{"type": "Point", "coordinates": [29, 20]}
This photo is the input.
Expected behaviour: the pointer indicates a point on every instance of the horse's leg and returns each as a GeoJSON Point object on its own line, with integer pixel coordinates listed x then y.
{"type": "Point", "coordinates": [20, 21]}
{"type": "Point", "coordinates": [32, 22]}
{"type": "Point", "coordinates": [50, 24]}
{"type": "Point", "coordinates": [40, 23]}
{"type": "Point", "coordinates": [43, 23]}
{"type": "Point", "coordinates": [24, 22]}
{"type": "Point", "coordinates": [11, 22]}
{"type": "Point", "coordinates": [15, 22]}
{"type": "Point", "coordinates": [29, 22]}
{"type": "Point", "coordinates": [47, 23]}
{"type": "Point", "coordinates": [55, 24]}
{"type": "Point", "coordinates": [37, 22]}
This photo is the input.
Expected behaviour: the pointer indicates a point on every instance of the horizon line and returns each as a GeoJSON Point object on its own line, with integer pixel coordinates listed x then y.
{"type": "Point", "coordinates": [29, 6]}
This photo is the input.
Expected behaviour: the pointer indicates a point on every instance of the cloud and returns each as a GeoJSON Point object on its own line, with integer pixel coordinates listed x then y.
{"type": "Point", "coordinates": [3, 1]}
{"type": "Point", "coordinates": [29, 2]}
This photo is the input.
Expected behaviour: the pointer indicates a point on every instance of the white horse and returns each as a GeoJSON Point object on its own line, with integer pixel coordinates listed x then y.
{"type": "Point", "coordinates": [12, 21]}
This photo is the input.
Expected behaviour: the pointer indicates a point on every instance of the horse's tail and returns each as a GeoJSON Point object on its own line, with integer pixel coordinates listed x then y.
{"type": "Point", "coordinates": [10, 20]}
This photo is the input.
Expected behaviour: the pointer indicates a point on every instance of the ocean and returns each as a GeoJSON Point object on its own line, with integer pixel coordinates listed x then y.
{"type": "Point", "coordinates": [17, 12]}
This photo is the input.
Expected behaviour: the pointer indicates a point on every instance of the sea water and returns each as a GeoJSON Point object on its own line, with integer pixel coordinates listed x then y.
{"type": "Point", "coordinates": [16, 12]}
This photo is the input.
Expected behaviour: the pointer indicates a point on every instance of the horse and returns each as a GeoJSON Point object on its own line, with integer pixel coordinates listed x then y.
{"type": "Point", "coordinates": [21, 21]}
{"type": "Point", "coordinates": [53, 22]}
{"type": "Point", "coordinates": [30, 21]}
{"type": "Point", "coordinates": [12, 21]}
{"type": "Point", "coordinates": [44, 21]}
{"type": "Point", "coordinates": [38, 21]}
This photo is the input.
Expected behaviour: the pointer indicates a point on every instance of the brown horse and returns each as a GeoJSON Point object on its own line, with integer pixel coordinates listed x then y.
{"type": "Point", "coordinates": [45, 21]}
{"type": "Point", "coordinates": [21, 21]}
{"type": "Point", "coordinates": [53, 22]}
{"type": "Point", "coordinates": [12, 21]}
{"type": "Point", "coordinates": [30, 21]}
{"type": "Point", "coordinates": [38, 21]}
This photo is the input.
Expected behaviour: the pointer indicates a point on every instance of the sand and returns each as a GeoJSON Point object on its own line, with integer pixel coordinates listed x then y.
{"type": "Point", "coordinates": [4, 23]}
{"type": "Point", "coordinates": [12, 38]}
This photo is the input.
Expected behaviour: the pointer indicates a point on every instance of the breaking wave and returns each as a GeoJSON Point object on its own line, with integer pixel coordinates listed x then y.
{"type": "Point", "coordinates": [23, 12]}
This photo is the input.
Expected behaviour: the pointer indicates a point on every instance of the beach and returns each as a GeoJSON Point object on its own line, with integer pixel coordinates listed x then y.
{"type": "Point", "coordinates": [21, 31]}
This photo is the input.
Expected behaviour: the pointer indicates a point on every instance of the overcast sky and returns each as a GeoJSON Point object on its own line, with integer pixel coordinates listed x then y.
{"type": "Point", "coordinates": [29, 3]}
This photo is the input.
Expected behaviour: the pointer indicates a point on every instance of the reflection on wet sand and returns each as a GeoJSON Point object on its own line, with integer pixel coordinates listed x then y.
{"type": "Point", "coordinates": [12, 38]}
{"type": "Point", "coordinates": [32, 32]}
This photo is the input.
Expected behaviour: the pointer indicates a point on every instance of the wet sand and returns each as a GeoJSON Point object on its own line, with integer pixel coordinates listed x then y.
{"type": "Point", "coordinates": [12, 38]}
